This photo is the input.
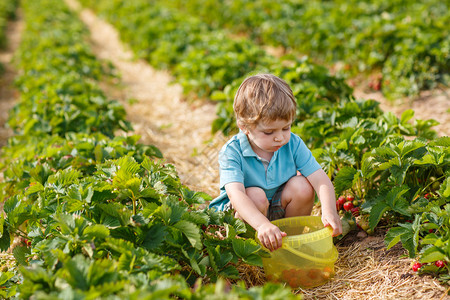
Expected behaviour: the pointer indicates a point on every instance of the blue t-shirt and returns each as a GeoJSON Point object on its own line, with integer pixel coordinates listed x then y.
{"type": "Point", "coordinates": [239, 163]}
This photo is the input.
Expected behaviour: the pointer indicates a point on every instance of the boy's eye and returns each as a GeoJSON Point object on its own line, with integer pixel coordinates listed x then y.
{"type": "Point", "coordinates": [287, 128]}
{"type": "Point", "coordinates": [267, 132]}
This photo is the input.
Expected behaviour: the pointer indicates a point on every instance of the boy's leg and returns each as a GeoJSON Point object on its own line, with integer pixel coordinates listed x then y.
{"type": "Point", "coordinates": [298, 197]}
{"type": "Point", "coordinates": [259, 198]}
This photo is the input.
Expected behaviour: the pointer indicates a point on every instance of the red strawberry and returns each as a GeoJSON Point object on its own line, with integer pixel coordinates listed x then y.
{"type": "Point", "coordinates": [341, 200]}
{"type": "Point", "coordinates": [355, 211]}
{"type": "Point", "coordinates": [350, 198]}
{"type": "Point", "coordinates": [439, 263]}
{"type": "Point", "coordinates": [416, 266]}
{"type": "Point", "coordinates": [348, 206]}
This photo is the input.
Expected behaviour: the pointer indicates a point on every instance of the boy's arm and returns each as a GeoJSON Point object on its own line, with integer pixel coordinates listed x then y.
{"type": "Point", "coordinates": [269, 234]}
{"type": "Point", "coordinates": [325, 191]}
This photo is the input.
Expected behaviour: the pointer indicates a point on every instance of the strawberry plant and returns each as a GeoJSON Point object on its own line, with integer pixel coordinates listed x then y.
{"type": "Point", "coordinates": [97, 215]}
{"type": "Point", "coordinates": [62, 99]}
{"type": "Point", "coordinates": [207, 62]}
{"type": "Point", "coordinates": [202, 60]}
{"type": "Point", "coordinates": [365, 35]}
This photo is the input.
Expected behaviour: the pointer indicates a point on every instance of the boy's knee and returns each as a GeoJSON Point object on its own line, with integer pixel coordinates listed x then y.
{"type": "Point", "coordinates": [258, 196]}
{"type": "Point", "coordinates": [300, 187]}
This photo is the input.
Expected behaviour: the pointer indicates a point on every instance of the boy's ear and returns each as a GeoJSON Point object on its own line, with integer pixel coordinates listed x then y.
{"type": "Point", "coordinates": [242, 127]}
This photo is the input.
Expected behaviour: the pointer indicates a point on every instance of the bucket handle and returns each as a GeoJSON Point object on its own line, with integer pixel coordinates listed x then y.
{"type": "Point", "coordinates": [332, 259]}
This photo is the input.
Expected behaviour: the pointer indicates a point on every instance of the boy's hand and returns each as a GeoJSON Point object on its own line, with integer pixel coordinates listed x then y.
{"type": "Point", "coordinates": [270, 236]}
{"type": "Point", "coordinates": [334, 221]}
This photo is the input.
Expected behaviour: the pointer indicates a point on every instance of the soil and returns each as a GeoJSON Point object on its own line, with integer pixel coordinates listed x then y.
{"type": "Point", "coordinates": [180, 128]}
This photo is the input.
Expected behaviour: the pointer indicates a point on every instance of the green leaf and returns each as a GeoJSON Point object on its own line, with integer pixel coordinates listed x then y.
{"type": "Point", "coordinates": [98, 153]}
{"type": "Point", "coordinates": [395, 200]}
{"type": "Point", "coordinates": [230, 272]}
{"type": "Point", "coordinates": [367, 165]}
{"type": "Point", "coordinates": [245, 247]}
{"type": "Point", "coordinates": [432, 254]}
{"type": "Point", "coordinates": [150, 192]}
{"type": "Point", "coordinates": [393, 236]}
{"type": "Point", "coordinates": [154, 236]}
{"type": "Point", "coordinates": [126, 261]}
{"type": "Point", "coordinates": [133, 184]}
{"type": "Point", "coordinates": [344, 179]}
{"type": "Point", "coordinates": [96, 231]}
{"type": "Point", "coordinates": [116, 210]}
{"type": "Point", "coordinates": [253, 259]}
{"type": "Point", "coordinates": [191, 231]}
{"type": "Point", "coordinates": [376, 213]}
{"type": "Point", "coordinates": [445, 188]}
{"type": "Point", "coordinates": [74, 205]}
{"type": "Point", "coordinates": [395, 161]}
{"type": "Point", "coordinates": [409, 244]}
{"type": "Point", "coordinates": [65, 177]}
{"type": "Point", "coordinates": [197, 217]}
{"type": "Point", "coordinates": [406, 234]}
{"type": "Point", "coordinates": [214, 258]}
{"type": "Point", "coordinates": [78, 268]}
{"type": "Point", "coordinates": [427, 159]}
{"type": "Point", "coordinates": [406, 116]}
{"type": "Point", "coordinates": [20, 254]}
{"type": "Point", "coordinates": [5, 276]}
{"type": "Point", "coordinates": [410, 146]}
{"type": "Point", "coordinates": [194, 259]}
{"type": "Point", "coordinates": [441, 141]}
{"type": "Point", "coordinates": [34, 188]}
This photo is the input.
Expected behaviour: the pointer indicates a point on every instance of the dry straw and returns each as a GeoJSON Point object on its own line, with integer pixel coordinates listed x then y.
{"type": "Point", "coordinates": [366, 270]}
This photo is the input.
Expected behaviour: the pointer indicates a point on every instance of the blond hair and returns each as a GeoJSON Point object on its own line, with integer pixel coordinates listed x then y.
{"type": "Point", "coordinates": [263, 98]}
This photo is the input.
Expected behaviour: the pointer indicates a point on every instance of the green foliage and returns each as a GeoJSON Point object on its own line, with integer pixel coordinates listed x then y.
{"type": "Point", "coordinates": [202, 60]}
{"type": "Point", "coordinates": [99, 216]}
{"type": "Point", "coordinates": [384, 36]}
{"type": "Point", "coordinates": [7, 12]}
{"type": "Point", "coordinates": [59, 92]}
{"type": "Point", "coordinates": [208, 62]}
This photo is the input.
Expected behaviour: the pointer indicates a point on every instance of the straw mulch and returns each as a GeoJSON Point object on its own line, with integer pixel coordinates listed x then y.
{"type": "Point", "coordinates": [366, 270]}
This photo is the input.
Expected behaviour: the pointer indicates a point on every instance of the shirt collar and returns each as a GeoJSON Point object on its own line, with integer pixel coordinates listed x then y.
{"type": "Point", "coordinates": [245, 145]}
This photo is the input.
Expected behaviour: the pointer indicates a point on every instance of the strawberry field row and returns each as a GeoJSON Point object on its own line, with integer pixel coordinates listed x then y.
{"type": "Point", "coordinates": [208, 62]}
{"type": "Point", "coordinates": [7, 12]}
{"type": "Point", "coordinates": [91, 214]}
{"type": "Point", "coordinates": [363, 150]}
{"type": "Point", "coordinates": [408, 41]}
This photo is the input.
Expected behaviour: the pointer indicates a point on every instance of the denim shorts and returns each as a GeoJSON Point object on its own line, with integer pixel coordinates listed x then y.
{"type": "Point", "coordinates": [276, 211]}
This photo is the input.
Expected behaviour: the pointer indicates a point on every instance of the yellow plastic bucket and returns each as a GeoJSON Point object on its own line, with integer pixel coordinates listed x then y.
{"type": "Point", "coordinates": [307, 256]}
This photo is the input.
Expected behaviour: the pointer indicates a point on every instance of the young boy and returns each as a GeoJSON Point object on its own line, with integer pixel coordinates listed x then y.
{"type": "Point", "coordinates": [267, 172]}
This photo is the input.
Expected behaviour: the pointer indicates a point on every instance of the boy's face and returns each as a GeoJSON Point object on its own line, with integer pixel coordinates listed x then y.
{"type": "Point", "coordinates": [266, 138]}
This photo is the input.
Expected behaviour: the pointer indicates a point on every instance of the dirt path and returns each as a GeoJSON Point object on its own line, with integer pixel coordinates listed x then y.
{"type": "Point", "coordinates": [181, 130]}
{"type": "Point", "coordinates": [365, 269]}
{"type": "Point", "coordinates": [8, 94]}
